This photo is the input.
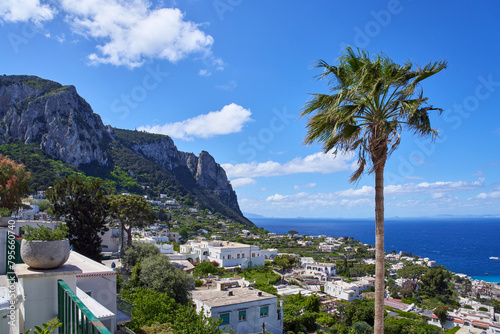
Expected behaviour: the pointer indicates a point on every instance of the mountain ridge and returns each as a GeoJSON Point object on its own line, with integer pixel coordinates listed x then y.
{"type": "Point", "coordinates": [58, 121]}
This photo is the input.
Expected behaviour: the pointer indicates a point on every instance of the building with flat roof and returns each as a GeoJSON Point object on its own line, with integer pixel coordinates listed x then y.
{"type": "Point", "coordinates": [38, 297]}
{"type": "Point", "coordinates": [81, 289]}
{"type": "Point", "coordinates": [227, 254]}
{"type": "Point", "coordinates": [321, 270]}
{"type": "Point", "coordinates": [243, 309]}
{"type": "Point", "coordinates": [348, 291]}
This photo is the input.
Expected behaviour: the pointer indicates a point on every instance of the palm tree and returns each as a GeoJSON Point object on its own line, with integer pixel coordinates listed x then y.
{"type": "Point", "coordinates": [372, 101]}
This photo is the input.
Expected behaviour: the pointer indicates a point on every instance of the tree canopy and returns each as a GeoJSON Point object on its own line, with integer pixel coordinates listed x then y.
{"type": "Point", "coordinates": [412, 271]}
{"type": "Point", "coordinates": [154, 271]}
{"type": "Point", "coordinates": [137, 252]}
{"type": "Point", "coordinates": [435, 283]}
{"type": "Point", "coordinates": [13, 184]}
{"type": "Point", "coordinates": [84, 208]}
{"type": "Point", "coordinates": [153, 309]}
{"type": "Point", "coordinates": [159, 274]}
{"type": "Point", "coordinates": [131, 211]}
{"type": "Point", "coordinates": [205, 268]}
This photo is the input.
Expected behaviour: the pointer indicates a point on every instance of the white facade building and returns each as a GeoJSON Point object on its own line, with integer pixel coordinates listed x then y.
{"type": "Point", "coordinates": [37, 294]}
{"type": "Point", "coordinates": [473, 320]}
{"type": "Point", "coordinates": [348, 291]}
{"type": "Point", "coordinates": [242, 309]}
{"type": "Point", "coordinates": [321, 269]}
{"type": "Point", "coordinates": [227, 254]}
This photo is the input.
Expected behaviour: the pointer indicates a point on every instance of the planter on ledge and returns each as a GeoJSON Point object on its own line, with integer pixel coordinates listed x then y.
{"type": "Point", "coordinates": [45, 254]}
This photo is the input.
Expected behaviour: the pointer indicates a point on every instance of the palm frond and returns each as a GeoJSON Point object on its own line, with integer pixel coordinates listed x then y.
{"type": "Point", "coordinates": [371, 101]}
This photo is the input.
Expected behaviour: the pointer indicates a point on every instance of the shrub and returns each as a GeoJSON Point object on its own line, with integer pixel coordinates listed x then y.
{"type": "Point", "coordinates": [44, 233]}
{"type": "Point", "coordinates": [137, 253]}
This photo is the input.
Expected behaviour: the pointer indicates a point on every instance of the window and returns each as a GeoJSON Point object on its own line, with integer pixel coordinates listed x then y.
{"type": "Point", "coordinates": [225, 318]}
{"type": "Point", "coordinates": [253, 254]}
{"type": "Point", "coordinates": [229, 257]}
{"type": "Point", "coordinates": [242, 256]}
{"type": "Point", "coordinates": [238, 256]}
{"type": "Point", "coordinates": [242, 315]}
{"type": "Point", "coordinates": [264, 311]}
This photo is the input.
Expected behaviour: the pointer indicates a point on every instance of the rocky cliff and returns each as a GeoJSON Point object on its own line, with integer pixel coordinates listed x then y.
{"type": "Point", "coordinates": [34, 110]}
{"type": "Point", "coordinates": [203, 169]}
{"type": "Point", "coordinates": [207, 173]}
{"type": "Point", "coordinates": [37, 110]}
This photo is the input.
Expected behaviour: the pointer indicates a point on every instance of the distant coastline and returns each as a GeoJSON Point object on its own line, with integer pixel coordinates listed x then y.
{"type": "Point", "coordinates": [463, 245]}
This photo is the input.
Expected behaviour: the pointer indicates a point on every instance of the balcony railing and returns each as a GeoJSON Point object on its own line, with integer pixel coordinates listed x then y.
{"type": "Point", "coordinates": [74, 315]}
{"type": "Point", "coordinates": [124, 306]}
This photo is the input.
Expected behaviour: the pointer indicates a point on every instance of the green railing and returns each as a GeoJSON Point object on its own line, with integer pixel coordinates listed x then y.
{"type": "Point", "coordinates": [75, 316]}
{"type": "Point", "coordinates": [12, 254]}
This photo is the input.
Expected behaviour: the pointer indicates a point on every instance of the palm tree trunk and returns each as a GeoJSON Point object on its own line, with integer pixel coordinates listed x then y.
{"type": "Point", "coordinates": [379, 250]}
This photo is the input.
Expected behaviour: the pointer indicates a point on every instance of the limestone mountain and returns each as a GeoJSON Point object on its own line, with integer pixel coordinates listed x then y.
{"type": "Point", "coordinates": [45, 123]}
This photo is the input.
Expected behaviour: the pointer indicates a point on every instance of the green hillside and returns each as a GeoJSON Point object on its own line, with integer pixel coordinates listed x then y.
{"type": "Point", "coordinates": [126, 171]}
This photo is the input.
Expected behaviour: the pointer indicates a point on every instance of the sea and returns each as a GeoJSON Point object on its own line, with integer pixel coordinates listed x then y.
{"type": "Point", "coordinates": [462, 245]}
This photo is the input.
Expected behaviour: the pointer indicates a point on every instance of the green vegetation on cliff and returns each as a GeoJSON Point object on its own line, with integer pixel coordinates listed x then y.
{"type": "Point", "coordinates": [126, 171]}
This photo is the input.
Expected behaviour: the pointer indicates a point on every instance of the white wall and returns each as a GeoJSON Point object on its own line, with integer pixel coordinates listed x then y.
{"type": "Point", "coordinates": [253, 323]}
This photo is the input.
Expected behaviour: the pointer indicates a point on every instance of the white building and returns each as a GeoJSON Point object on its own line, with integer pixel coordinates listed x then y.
{"type": "Point", "coordinates": [472, 320]}
{"type": "Point", "coordinates": [324, 270]}
{"type": "Point", "coordinates": [348, 291]}
{"type": "Point", "coordinates": [303, 261]}
{"type": "Point", "coordinates": [111, 240]}
{"type": "Point", "coordinates": [241, 308]}
{"type": "Point", "coordinates": [227, 254]}
{"type": "Point", "coordinates": [37, 294]}
{"type": "Point", "coordinates": [328, 248]}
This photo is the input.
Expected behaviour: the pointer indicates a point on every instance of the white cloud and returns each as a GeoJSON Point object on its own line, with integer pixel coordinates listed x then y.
{"type": "Point", "coordinates": [311, 201]}
{"type": "Point", "coordinates": [441, 193]}
{"type": "Point", "coordinates": [25, 10]}
{"type": "Point", "coordinates": [242, 182]}
{"type": "Point", "coordinates": [230, 119]}
{"type": "Point", "coordinates": [131, 32]}
{"type": "Point", "coordinates": [315, 163]}
{"type": "Point", "coordinates": [214, 64]}
{"type": "Point", "coordinates": [414, 177]}
{"type": "Point", "coordinates": [364, 191]}
{"type": "Point", "coordinates": [357, 202]}
{"type": "Point", "coordinates": [276, 197]}
{"type": "Point", "coordinates": [493, 194]}
{"type": "Point", "coordinates": [307, 185]}
{"type": "Point", "coordinates": [232, 84]}
{"type": "Point", "coordinates": [433, 187]}
{"type": "Point", "coordinates": [437, 189]}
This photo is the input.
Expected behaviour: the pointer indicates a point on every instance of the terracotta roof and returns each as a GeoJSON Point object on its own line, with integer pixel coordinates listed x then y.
{"type": "Point", "coordinates": [95, 274]}
{"type": "Point", "coordinates": [480, 324]}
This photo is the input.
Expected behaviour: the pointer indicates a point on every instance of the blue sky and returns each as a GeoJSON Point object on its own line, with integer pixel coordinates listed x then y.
{"type": "Point", "coordinates": [231, 76]}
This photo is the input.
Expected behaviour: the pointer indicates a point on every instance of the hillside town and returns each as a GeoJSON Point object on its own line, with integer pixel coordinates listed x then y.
{"type": "Point", "coordinates": [247, 280]}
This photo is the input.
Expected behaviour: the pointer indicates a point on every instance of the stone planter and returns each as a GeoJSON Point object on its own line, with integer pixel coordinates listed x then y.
{"type": "Point", "coordinates": [45, 254]}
